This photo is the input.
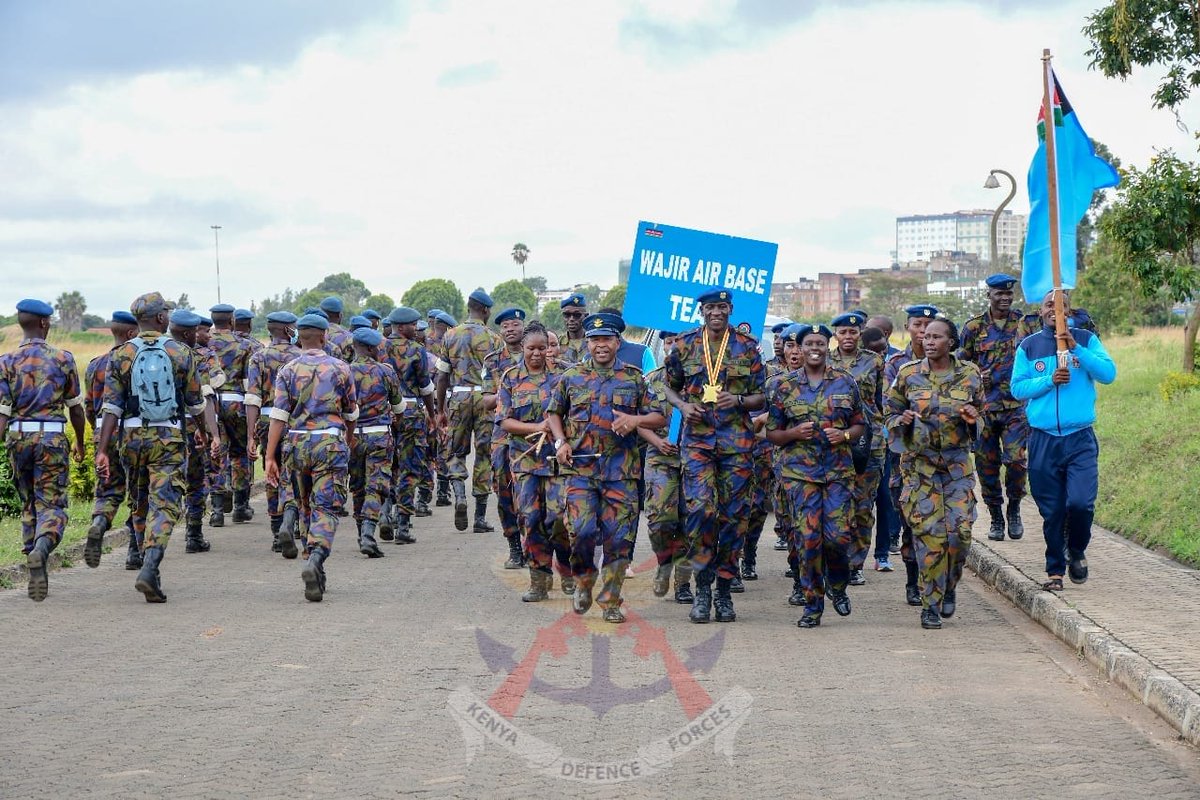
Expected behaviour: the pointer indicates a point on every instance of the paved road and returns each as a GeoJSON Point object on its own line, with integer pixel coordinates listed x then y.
{"type": "Point", "coordinates": [238, 687]}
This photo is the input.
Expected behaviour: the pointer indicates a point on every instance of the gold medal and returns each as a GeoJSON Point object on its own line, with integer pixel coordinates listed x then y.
{"type": "Point", "coordinates": [713, 368]}
{"type": "Point", "coordinates": [710, 392]}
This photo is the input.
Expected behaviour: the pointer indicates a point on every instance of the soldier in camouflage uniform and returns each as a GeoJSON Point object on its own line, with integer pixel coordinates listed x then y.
{"type": "Point", "coordinates": [715, 377]}
{"type": "Point", "coordinates": [593, 414]}
{"type": "Point", "coordinates": [337, 339]}
{"type": "Point", "coordinates": [932, 415]}
{"type": "Point", "coordinates": [265, 364]}
{"type": "Point", "coordinates": [813, 415]}
{"type": "Point", "coordinates": [990, 340]}
{"type": "Point", "coordinates": [439, 323]}
{"type": "Point", "coordinates": [183, 327]}
{"type": "Point", "coordinates": [524, 393]}
{"type": "Point", "coordinates": [109, 493]}
{"type": "Point", "coordinates": [665, 509]}
{"type": "Point", "coordinates": [380, 402]}
{"type": "Point", "coordinates": [428, 443]}
{"type": "Point", "coordinates": [574, 309]}
{"type": "Point", "coordinates": [498, 362]}
{"type": "Point", "coordinates": [408, 360]}
{"type": "Point", "coordinates": [231, 476]}
{"type": "Point", "coordinates": [314, 408]}
{"type": "Point", "coordinates": [460, 375]}
{"type": "Point", "coordinates": [153, 452]}
{"type": "Point", "coordinates": [867, 369]}
{"type": "Point", "coordinates": [37, 381]}
{"type": "Point", "coordinates": [243, 328]}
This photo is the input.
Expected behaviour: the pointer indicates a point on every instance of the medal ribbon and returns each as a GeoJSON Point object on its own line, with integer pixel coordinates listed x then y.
{"type": "Point", "coordinates": [714, 367]}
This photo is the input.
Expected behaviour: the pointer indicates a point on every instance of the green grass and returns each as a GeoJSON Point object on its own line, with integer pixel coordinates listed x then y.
{"type": "Point", "coordinates": [79, 514]}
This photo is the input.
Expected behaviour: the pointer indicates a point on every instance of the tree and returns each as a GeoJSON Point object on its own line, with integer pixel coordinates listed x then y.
{"type": "Point", "coordinates": [435, 293]}
{"type": "Point", "coordinates": [70, 307]}
{"type": "Point", "coordinates": [286, 301]}
{"type": "Point", "coordinates": [1112, 295]}
{"type": "Point", "coordinates": [351, 290]}
{"type": "Point", "coordinates": [520, 254]}
{"type": "Point", "coordinates": [93, 321]}
{"type": "Point", "coordinates": [551, 316]}
{"type": "Point", "coordinates": [381, 303]}
{"type": "Point", "coordinates": [1147, 33]}
{"type": "Point", "coordinates": [535, 282]}
{"type": "Point", "coordinates": [514, 294]}
{"type": "Point", "coordinates": [186, 304]}
{"type": "Point", "coordinates": [1155, 228]}
{"type": "Point", "coordinates": [614, 298]}
{"type": "Point", "coordinates": [591, 292]}
{"type": "Point", "coordinates": [889, 294]}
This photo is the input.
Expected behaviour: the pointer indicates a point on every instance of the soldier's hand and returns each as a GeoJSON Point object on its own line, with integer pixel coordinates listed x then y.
{"type": "Point", "coordinates": [726, 401]}
{"type": "Point", "coordinates": [102, 465]}
{"type": "Point", "coordinates": [987, 380]}
{"type": "Point", "coordinates": [909, 417]}
{"type": "Point", "coordinates": [214, 450]}
{"type": "Point", "coordinates": [623, 424]}
{"type": "Point", "coordinates": [563, 454]}
{"type": "Point", "coordinates": [1061, 376]}
{"type": "Point", "coordinates": [834, 435]}
{"type": "Point", "coordinates": [693, 412]}
{"type": "Point", "coordinates": [251, 448]}
{"type": "Point", "coordinates": [80, 452]}
{"type": "Point", "coordinates": [969, 413]}
{"type": "Point", "coordinates": [441, 421]}
{"type": "Point", "coordinates": [805, 431]}
{"type": "Point", "coordinates": [272, 472]}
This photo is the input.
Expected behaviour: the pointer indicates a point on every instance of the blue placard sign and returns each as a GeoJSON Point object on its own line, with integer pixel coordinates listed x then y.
{"type": "Point", "coordinates": [672, 266]}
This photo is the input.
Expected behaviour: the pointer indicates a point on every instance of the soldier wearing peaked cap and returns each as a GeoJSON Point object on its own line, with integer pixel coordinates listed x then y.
{"type": "Point", "coordinates": [232, 471]}
{"type": "Point", "coordinates": [498, 362]}
{"type": "Point", "coordinates": [38, 382]}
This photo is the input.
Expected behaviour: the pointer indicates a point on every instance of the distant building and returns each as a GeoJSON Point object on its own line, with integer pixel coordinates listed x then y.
{"type": "Point", "coordinates": [552, 296]}
{"type": "Point", "coordinates": [623, 267]}
{"type": "Point", "coordinates": [797, 300]}
{"type": "Point", "coordinates": [838, 292]}
{"type": "Point", "coordinates": [919, 236]}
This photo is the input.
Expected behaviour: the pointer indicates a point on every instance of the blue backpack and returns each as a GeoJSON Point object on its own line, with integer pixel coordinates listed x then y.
{"type": "Point", "coordinates": [152, 382]}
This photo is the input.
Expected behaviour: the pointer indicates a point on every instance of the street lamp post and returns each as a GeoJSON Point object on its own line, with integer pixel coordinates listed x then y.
{"type": "Point", "coordinates": [217, 252]}
{"type": "Point", "coordinates": [992, 183]}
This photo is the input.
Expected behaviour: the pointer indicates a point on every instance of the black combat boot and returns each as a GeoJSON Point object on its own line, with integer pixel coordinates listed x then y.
{"type": "Point", "coordinates": [841, 602]}
{"type": "Point", "coordinates": [662, 579]}
{"type": "Point", "coordinates": [996, 531]}
{"type": "Point", "coordinates": [481, 523]}
{"type": "Point", "coordinates": [567, 584]}
{"type": "Point", "coordinates": [516, 558]}
{"type": "Point", "coordinates": [702, 604]}
{"type": "Point", "coordinates": [313, 575]}
{"type": "Point", "coordinates": [196, 543]}
{"type": "Point", "coordinates": [36, 563]}
{"type": "Point", "coordinates": [276, 546]}
{"type": "Point", "coordinates": [386, 526]}
{"type": "Point", "coordinates": [366, 540]}
{"type": "Point", "coordinates": [149, 582]}
{"type": "Point", "coordinates": [930, 619]}
{"type": "Point", "coordinates": [912, 593]}
{"type": "Point", "coordinates": [133, 552]}
{"type": "Point", "coordinates": [443, 492]}
{"type": "Point", "coordinates": [539, 586]}
{"type": "Point", "coordinates": [287, 532]}
{"type": "Point", "coordinates": [403, 530]}
{"type": "Point", "coordinates": [735, 584]}
{"type": "Point", "coordinates": [582, 600]}
{"type": "Point", "coordinates": [460, 503]}
{"type": "Point", "coordinates": [724, 601]}
{"type": "Point", "coordinates": [217, 518]}
{"type": "Point", "coordinates": [683, 585]}
{"type": "Point", "coordinates": [949, 603]}
{"type": "Point", "coordinates": [95, 541]}
{"type": "Point", "coordinates": [424, 494]}
{"type": "Point", "coordinates": [1016, 528]}
{"type": "Point", "coordinates": [241, 506]}
{"type": "Point", "coordinates": [749, 565]}
{"type": "Point", "coordinates": [796, 598]}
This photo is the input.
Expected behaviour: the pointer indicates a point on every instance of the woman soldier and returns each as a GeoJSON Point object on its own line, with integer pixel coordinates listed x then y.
{"type": "Point", "coordinates": [537, 491]}
{"type": "Point", "coordinates": [813, 415]}
{"type": "Point", "coordinates": [932, 415]}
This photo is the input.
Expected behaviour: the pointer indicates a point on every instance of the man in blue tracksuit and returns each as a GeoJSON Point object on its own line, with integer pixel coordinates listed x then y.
{"type": "Point", "coordinates": [1061, 407]}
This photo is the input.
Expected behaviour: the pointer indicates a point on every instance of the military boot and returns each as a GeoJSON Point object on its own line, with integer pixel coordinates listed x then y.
{"type": "Point", "coordinates": [241, 506]}
{"type": "Point", "coordinates": [949, 603]}
{"type": "Point", "coordinates": [35, 562]}
{"type": "Point", "coordinates": [227, 502]}
{"type": "Point", "coordinates": [95, 541]}
{"type": "Point", "coordinates": [366, 540]}
{"type": "Point", "coordinates": [133, 552]}
{"type": "Point", "coordinates": [149, 582]}
{"type": "Point", "coordinates": [423, 496]}
{"type": "Point", "coordinates": [1016, 528]}
{"type": "Point", "coordinates": [217, 518]}
{"type": "Point", "coordinates": [443, 492]}
{"type": "Point", "coordinates": [749, 564]}
{"type": "Point", "coordinates": [735, 583]}
{"type": "Point", "coordinates": [567, 584]}
{"type": "Point", "coordinates": [385, 521]}
{"type": "Point", "coordinates": [287, 532]}
{"type": "Point", "coordinates": [276, 546]}
{"type": "Point", "coordinates": [724, 601]}
{"type": "Point", "coordinates": [313, 575]}
{"type": "Point", "coordinates": [196, 543]}
{"type": "Point", "coordinates": [403, 530]}
{"type": "Point", "coordinates": [539, 586]}
{"type": "Point", "coordinates": [702, 604]}
{"type": "Point", "coordinates": [662, 579]}
{"type": "Point", "coordinates": [516, 558]}
{"type": "Point", "coordinates": [996, 531]}
{"type": "Point", "coordinates": [481, 523]}
{"type": "Point", "coordinates": [912, 592]}
{"type": "Point", "coordinates": [796, 598]}
{"type": "Point", "coordinates": [683, 585]}
{"type": "Point", "coordinates": [582, 600]}
{"type": "Point", "coordinates": [460, 503]}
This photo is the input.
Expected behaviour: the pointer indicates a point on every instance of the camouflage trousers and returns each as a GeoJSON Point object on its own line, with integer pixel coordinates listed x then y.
{"type": "Point", "coordinates": [907, 554]}
{"type": "Point", "coordinates": [195, 490]}
{"type": "Point", "coordinates": [429, 457]}
{"type": "Point", "coordinates": [716, 487]}
{"type": "Point", "coordinates": [319, 465]}
{"type": "Point", "coordinates": [155, 468]}
{"type": "Point", "coordinates": [470, 420]}
{"type": "Point", "coordinates": [823, 514]}
{"type": "Point", "coordinates": [941, 511]}
{"type": "Point", "coordinates": [41, 464]}
{"type": "Point", "coordinates": [502, 481]}
{"type": "Point", "coordinates": [370, 473]}
{"type": "Point", "coordinates": [407, 466]}
{"type": "Point", "coordinates": [110, 492]}
{"type": "Point", "coordinates": [540, 499]}
{"type": "Point", "coordinates": [601, 513]}
{"type": "Point", "coordinates": [278, 497]}
{"type": "Point", "coordinates": [866, 487]}
{"type": "Point", "coordinates": [1002, 444]}
{"type": "Point", "coordinates": [233, 471]}
{"type": "Point", "coordinates": [761, 502]}
{"type": "Point", "coordinates": [665, 509]}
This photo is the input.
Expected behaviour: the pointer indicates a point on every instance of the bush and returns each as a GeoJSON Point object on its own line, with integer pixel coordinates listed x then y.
{"type": "Point", "coordinates": [10, 503]}
{"type": "Point", "coordinates": [82, 484]}
{"type": "Point", "coordinates": [1174, 384]}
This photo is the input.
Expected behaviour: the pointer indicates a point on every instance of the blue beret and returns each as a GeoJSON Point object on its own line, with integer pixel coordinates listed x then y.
{"type": "Point", "coordinates": [359, 321]}
{"type": "Point", "coordinates": [222, 308]}
{"type": "Point", "coordinates": [510, 313]}
{"type": "Point", "coordinates": [481, 297]}
{"type": "Point", "coordinates": [860, 312]}
{"type": "Point", "coordinates": [242, 314]}
{"type": "Point", "coordinates": [666, 334]}
{"type": "Point", "coordinates": [183, 318]}
{"type": "Point", "coordinates": [39, 307]}
{"type": "Point", "coordinates": [780, 327]}
{"type": "Point", "coordinates": [433, 312]}
{"type": "Point", "coordinates": [446, 319]}
{"type": "Point", "coordinates": [125, 317]}
{"type": "Point", "coordinates": [206, 322]}
{"type": "Point", "coordinates": [313, 321]}
{"type": "Point", "coordinates": [575, 300]}
{"type": "Point", "coordinates": [851, 319]}
{"type": "Point", "coordinates": [422, 325]}
{"type": "Point", "coordinates": [602, 325]}
{"type": "Point", "coordinates": [404, 316]}
{"type": "Point", "coordinates": [282, 317]}
{"type": "Point", "coordinates": [796, 333]}
{"type": "Point", "coordinates": [715, 296]}
{"type": "Point", "coordinates": [922, 311]}
{"type": "Point", "coordinates": [1000, 281]}
{"type": "Point", "coordinates": [372, 314]}
{"type": "Point", "coordinates": [332, 304]}
{"type": "Point", "coordinates": [368, 336]}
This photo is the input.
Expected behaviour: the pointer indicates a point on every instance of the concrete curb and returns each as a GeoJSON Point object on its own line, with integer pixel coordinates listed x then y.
{"type": "Point", "coordinates": [1157, 689]}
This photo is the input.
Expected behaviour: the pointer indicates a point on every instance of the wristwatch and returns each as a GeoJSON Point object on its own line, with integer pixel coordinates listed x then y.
{"type": "Point", "coordinates": [558, 443]}
{"type": "Point", "coordinates": [846, 434]}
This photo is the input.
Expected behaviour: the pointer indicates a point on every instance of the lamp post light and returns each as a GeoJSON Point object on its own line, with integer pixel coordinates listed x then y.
{"type": "Point", "coordinates": [216, 229]}
{"type": "Point", "coordinates": [992, 183]}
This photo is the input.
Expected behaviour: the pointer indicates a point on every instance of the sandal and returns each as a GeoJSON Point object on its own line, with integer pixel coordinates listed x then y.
{"type": "Point", "coordinates": [1053, 585]}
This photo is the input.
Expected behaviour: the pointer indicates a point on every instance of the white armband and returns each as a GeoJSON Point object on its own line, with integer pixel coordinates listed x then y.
{"type": "Point", "coordinates": [253, 400]}
{"type": "Point", "coordinates": [75, 401]}
{"type": "Point", "coordinates": [280, 414]}
{"type": "Point", "coordinates": [442, 366]}
{"type": "Point", "coordinates": [428, 390]}
{"type": "Point", "coordinates": [353, 415]}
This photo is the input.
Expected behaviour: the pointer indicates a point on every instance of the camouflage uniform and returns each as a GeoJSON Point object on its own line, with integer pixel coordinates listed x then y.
{"type": "Point", "coordinates": [315, 397]}
{"type": "Point", "coordinates": [665, 509]}
{"type": "Point", "coordinates": [601, 481]}
{"type": "Point", "coordinates": [264, 366]}
{"type": "Point", "coordinates": [866, 368]}
{"type": "Point", "coordinates": [938, 493]}
{"type": "Point", "coordinates": [461, 356]}
{"type": "Point", "coordinates": [379, 398]}
{"type": "Point", "coordinates": [899, 462]}
{"type": "Point", "coordinates": [110, 491]}
{"type": "Point", "coordinates": [233, 472]}
{"type": "Point", "coordinates": [408, 360]}
{"type": "Point", "coordinates": [498, 363]}
{"type": "Point", "coordinates": [199, 464]}
{"type": "Point", "coordinates": [818, 476]}
{"type": "Point", "coordinates": [37, 381]}
{"type": "Point", "coordinates": [765, 493]}
{"type": "Point", "coordinates": [573, 350]}
{"type": "Point", "coordinates": [339, 342]}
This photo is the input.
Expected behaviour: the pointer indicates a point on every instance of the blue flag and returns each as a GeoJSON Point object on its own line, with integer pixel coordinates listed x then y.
{"type": "Point", "coordinates": [1080, 173]}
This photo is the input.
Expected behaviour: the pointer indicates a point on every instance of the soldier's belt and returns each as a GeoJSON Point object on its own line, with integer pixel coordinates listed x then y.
{"type": "Point", "coordinates": [373, 429]}
{"type": "Point", "coordinates": [317, 432]}
{"type": "Point", "coordinates": [138, 422]}
{"type": "Point", "coordinates": [34, 426]}
{"type": "Point", "coordinates": [460, 389]}
{"type": "Point", "coordinates": [412, 400]}
{"type": "Point", "coordinates": [231, 397]}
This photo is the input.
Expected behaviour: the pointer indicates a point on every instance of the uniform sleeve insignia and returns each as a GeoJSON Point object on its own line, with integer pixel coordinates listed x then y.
{"type": "Point", "coordinates": [1039, 366]}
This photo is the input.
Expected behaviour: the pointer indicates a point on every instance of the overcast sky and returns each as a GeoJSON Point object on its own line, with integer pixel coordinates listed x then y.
{"type": "Point", "coordinates": [401, 140]}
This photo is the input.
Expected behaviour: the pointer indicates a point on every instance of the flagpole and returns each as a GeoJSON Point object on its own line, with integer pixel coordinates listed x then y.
{"type": "Point", "coordinates": [1060, 320]}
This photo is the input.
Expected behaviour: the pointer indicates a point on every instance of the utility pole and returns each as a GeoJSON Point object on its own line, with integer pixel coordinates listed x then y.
{"type": "Point", "coordinates": [216, 229]}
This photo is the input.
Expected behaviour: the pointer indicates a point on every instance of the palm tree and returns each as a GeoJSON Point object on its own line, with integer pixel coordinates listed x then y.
{"type": "Point", "coordinates": [520, 254]}
{"type": "Point", "coordinates": [70, 307]}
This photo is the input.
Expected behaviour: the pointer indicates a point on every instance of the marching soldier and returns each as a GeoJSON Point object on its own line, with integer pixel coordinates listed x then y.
{"type": "Point", "coordinates": [231, 482]}
{"type": "Point", "coordinates": [574, 309]}
{"type": "Point", "coordinates": [373, 316]}
{"type": "Point", "coordinates": [314, 406]}
{"type": "Point", "coordinates": [497, 363]}
{"type": "Point", "coordinates": [37, 381]}
{"type": "Point", "coordinates": [379, 402]}
{"type": "Point", "coordinates": [338, 340]}
{"type": "Point", "coordinates": [429, 439]}
{"type": "Point", "coordinates": [441, 323]}
{"type": "Point", "coordinates": [243, 328]}
{"type": "Point", "coordinates": [183, 327]}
